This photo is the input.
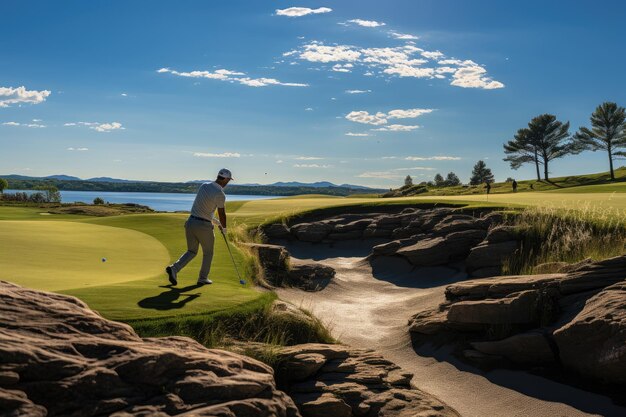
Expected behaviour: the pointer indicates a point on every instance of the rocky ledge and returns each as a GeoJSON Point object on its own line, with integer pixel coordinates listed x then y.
{"type": "Point", "coordinates": [576, 319]}
{"type": "Point", "coordinates": [339, 381]}
{"type": "Point", "coordinates": [59, 358]}
{"type": "Point", "coordinates": [424, 237]}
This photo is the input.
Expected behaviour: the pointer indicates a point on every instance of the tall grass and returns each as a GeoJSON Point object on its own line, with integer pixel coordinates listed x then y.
{"type": "Point", "coordinates": [552, 235]}
{"type": "Point", "coordinates": [254, 322]}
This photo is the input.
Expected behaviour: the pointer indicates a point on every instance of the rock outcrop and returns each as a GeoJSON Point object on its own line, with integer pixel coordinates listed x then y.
{"type": "Point", "coordinates": [339, 381]}
{"type": "Point", "coordinates": [58, 357]}
{"type": "Point", "coordinates": [425, 237]}
{"type": "Point", "coordinates": [280, 269]}
{"type": "Point", "coordinates": [575, 318]}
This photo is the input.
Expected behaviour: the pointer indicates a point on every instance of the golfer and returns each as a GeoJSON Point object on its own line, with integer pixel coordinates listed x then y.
{"type": "Point", "coordinates": [199, 227]}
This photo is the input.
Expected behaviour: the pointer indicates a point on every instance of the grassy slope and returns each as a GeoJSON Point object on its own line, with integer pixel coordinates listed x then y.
{"type": "Point", "coordinates": [586, 183]}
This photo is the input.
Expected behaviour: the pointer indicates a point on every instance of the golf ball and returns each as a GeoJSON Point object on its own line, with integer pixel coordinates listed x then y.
{"type": "Point", "coordinates": [104, 259]}
{"type": "Point", "coordinates": [242, 282]}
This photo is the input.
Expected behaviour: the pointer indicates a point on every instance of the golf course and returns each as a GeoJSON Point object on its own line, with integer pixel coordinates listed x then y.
{"type": "Point", "coordinates": [116, 264]}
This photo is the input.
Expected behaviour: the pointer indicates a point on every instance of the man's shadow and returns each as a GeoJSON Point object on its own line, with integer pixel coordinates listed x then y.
{"type": "Point", "coordinates": [169, 300]}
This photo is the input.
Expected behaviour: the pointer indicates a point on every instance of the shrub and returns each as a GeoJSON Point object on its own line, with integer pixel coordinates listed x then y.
{"type": "Point", "coordinates": [98, 201]}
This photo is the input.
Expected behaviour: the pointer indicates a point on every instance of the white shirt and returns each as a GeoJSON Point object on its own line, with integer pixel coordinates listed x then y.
{"type": "Point", "coordinates": [209, 198]}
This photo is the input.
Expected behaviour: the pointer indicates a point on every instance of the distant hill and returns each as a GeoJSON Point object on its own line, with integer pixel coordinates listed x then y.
{"type": "Point", "coordinates": [69, 183]}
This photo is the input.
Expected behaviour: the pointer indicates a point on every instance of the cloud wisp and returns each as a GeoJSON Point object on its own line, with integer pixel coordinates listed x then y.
{"type": "Point", "coordinates": [31, 125]}
{"type": "Point", "coordinates": [217, 155]}
{"type": "Point", "coordinates": [78, 149]}
{"type": "Point", "coordinates": [231, 76]}
{"type": "Point", "coordinates": [301, 11]}
{"type": "Point", "coordinates": [365, 23]}
{"type": "Point", "coordinates": [97, 126]}
{"type": "Point", "coordinates": [310, 166]}
{"type": "Point", "coordinates": [20, 95]}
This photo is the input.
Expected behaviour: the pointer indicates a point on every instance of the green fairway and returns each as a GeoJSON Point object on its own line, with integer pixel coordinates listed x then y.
{"type": "Point", "coordinates": [59, 255]}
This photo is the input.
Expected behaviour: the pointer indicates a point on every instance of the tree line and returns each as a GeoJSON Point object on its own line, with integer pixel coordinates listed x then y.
{"type": "Point", "coordinates": [546, 139]}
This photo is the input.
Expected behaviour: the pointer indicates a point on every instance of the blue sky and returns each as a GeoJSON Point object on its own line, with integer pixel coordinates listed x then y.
{"type": "Point", "coordinates": [361, 92]}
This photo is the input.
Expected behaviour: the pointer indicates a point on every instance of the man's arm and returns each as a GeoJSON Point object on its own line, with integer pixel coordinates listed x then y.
{"type": "Point", "coordinates": [222, 215]}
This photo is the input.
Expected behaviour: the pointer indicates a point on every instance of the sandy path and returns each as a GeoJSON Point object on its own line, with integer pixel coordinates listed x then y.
{"type": "Point", "coordinates": [369, 307]}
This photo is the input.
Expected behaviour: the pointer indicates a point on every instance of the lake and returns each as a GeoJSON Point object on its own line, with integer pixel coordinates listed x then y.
{"type": "Point", "coordinates": [156, 201]}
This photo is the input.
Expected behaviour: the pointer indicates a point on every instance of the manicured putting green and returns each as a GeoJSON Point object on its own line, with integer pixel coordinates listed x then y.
{"type": "Point", "coordinates": [60, 255]}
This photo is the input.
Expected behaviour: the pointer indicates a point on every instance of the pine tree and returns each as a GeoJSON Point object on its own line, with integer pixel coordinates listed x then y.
{"type": "Point", "coordinates": [545, 139]}
{"type": "Point", "coordinates": [439, 180]}
{"type": "Point", "coordinates": [452, 179]}
{"type": "Point", "coordinates": [408, 181]}
{"type": "Point", "coordinates": [481, 174]}
{"type": "Point", "coordinates": [607, 133]}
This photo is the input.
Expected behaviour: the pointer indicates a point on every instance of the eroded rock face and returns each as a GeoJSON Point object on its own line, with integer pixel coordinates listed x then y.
{"type": "Point", "coordinates": [594, 342]}
{"type": "Point", "coordinates": [577, 318]}
{"type": "Point", "coordinates": [337, 381]}
{"type": "Point", "coordinates": [58, 357]}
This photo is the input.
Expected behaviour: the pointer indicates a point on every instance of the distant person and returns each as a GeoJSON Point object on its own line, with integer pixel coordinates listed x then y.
{"type": "Point", "coordinates": [199, 227]}
{"type": "Point", "coordinates": [531, 186]}
{"type": "Point", "coordinates": [514, 186]}
{"type": "Point", "coordinates": [488, 186]}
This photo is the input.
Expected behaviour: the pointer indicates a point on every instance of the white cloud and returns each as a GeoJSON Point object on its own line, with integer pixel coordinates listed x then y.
{"type": "Point", "coordinates": [343, 67]}
{"type": "Point", "coordinates": [37, 120]}
{"type": "Point", "coordinates": [97, 126]}
{"type": "Point", "coordinates": [415, 169]}
{"type": "Point", "coordinates": [397, 128]}
{"type": "Point", "coordinates": [20, 95]}
{"type": "Point", "coordinates": [402, 61]}
{"type": "Point", "coordinates": [301, 11]}
{"type": "Point", "coordinates": [366, 23]}
{"type": "Point", "coordinates": [432, 54]}
{"type": "Point", "coordinates": [432, 158]}
{"type": "Point", "coordinates": [366, 118]}
{"type": "Point", "coordinates": [217, 155]}
{"type": "Point", "coordinates": [380, 118]}
{"type": "Point", "coordinates": [408, 113]}
{"type": "Point", "coordinates": [124, 95]}
{"type": "Point", "coordinates": [280, 161]}
{"type": "Point", "coordinates": [358, 91]}
{"type": "Point", "coordinates": [78, 149]}
{"type": "Point", "coordinates": [107, 127]}
{"type": "Point", "coordinates": [318, 52]}
{"type": "Point", "coordinates": [309, 109]}
{"type": "Point", "coordinates": [310, 166]}
{"type": "Point", "coordinates": [228, 75]}
{"type": "Point", "coordinates": [381, 174]}
{"type": "Point", "coordinates": [474, 77]}
{"type": "Point", "coordinates": [357, 134]}
{"type": "Point", "coordinates": [403, 36]}
{"type": "Point", "coordinates": [31, 125]}
{"type": "Point", "coordinates": [308, 158]}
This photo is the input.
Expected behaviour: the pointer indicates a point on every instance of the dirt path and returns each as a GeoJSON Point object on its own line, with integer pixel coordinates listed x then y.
{"type": "Point", "coordinates": [369, 307]}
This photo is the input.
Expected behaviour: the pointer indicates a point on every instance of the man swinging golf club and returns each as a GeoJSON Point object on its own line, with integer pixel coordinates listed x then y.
{"type": "Point", "coordinates": [199, 227]}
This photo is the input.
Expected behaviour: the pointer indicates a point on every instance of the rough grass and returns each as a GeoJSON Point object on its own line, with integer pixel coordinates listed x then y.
{"type": "Point", "coordinates": [551, 236]}
{"type": "Point", "coordinates": [253, 322]}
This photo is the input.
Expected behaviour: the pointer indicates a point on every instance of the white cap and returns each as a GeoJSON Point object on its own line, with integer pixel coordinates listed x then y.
{"type": "Point", "coordinates": [225, 173]}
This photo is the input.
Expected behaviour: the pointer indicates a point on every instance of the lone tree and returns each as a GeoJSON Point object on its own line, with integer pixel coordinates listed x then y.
{"type": "Point", "coordinates": [439, 181]}
{"type": "Point", "coordinates": [452, 179]}
{"type": "Point", "coordinates": [607, 133]}
{"type": "Point", "coordinates": [3, 185]}
{"type": "Point", "coordinates": [545, 139]}
{"type": "Point", "coordinates": [408, 181]}
{"type": "Point", "coordinates": [522, 149]}
{"type": "Point", "coordinates": [481, 174]}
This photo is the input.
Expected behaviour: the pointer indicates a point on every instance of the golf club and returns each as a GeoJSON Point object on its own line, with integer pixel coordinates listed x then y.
{"type": "Point", "coordinates": [241, 281]}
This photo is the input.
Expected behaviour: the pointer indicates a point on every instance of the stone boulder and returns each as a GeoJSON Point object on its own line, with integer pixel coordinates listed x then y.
{"type": "Point", "coordinates": [525, 348]}
{"type": "Point", "coordinates": [58, 357]}
{"type": "Point", "coordinates": [503, 233]}
{"type": "Point", "coordinates": [336, 381]}
{"type": "Point", "coordinates": [442, 250]}
{"type": "Point", "coordinates": [490, 255]}
{"type": "Point", "coordinates": [311, 232]}
{"type": "Point", "coordinates": [517, 308]}
{"type": "Point", "coordinates": [274, 260]}
{"type": "Point", "coordinates": [594, 342]}
{"type": "Point", "coordinates": [309, 275]}
{"type": "Point", "coordinates": [276, 231]}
